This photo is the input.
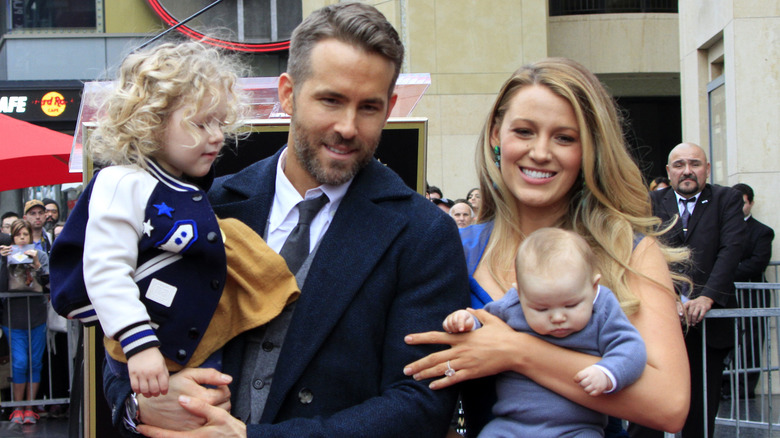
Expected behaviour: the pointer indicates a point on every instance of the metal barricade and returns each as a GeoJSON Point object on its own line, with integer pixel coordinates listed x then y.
{"type": "Point", "coordinates": [756, 356]}
{"type": "Point", "coordinates": [46, 392]}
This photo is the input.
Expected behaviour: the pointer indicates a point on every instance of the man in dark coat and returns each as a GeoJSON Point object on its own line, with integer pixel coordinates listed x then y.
{"type": "Point", "coordinates": [384, 262]}
{"type": "Point", "coordinates": [755, 258]}
{"type": "Point", "coordinates": [709, 222]}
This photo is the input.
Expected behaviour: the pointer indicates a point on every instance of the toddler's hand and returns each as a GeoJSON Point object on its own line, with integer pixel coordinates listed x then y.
{"type": "Point", "coordinates": [458, 322]}
{"type": "Point", "coordinates": [148, 374]}
{"type": "Point", "coordinates": [593, 380]}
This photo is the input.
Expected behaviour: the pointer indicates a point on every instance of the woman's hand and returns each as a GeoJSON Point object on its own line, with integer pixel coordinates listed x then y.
{"type": "Point", "coordinates": [5, 250]}
{"type": "Point", "coordinates": [492, 349]}
{"type": "Point", "coordinates": [167, 411]}
{"type": "Point", "coordinates": [218, 422]}
{"type": "Point", "coordinates": [33, 254]}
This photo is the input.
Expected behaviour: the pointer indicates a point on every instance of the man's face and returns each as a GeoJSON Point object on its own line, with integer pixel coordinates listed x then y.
{"type": "Point", "coordinates": [462, 214]}
{"type": "Point", "coordinates": [52, 213]}
{"type": "Point", "coordinates": [6, 226]}
{"type": "Point", "coordinates": [35, 216]}
{"type": "Point", "coordinates": [687, 169]}
{"type": "Point", "coordinates": [747, 206]}
{"type": "Point", "coordinates": [337, 114]}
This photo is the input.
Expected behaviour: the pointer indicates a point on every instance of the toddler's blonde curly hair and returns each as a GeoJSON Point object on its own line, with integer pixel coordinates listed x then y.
{"type": "Point", "coordinates": [154, 83]}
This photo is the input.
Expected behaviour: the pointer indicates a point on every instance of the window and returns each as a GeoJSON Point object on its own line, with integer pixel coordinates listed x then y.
{"type": "Point", "coordinates": [39, 15]}
{"type": "Point", "coordinates": [251, 25]}
{"type": "Point", "coordinates": [579, 7]}
{"type": "Point", "coordinates": [716, 103]}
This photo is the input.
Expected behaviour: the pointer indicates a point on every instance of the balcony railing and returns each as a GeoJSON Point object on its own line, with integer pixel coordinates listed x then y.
{"type": "Point", "coordinates": [580, 7]}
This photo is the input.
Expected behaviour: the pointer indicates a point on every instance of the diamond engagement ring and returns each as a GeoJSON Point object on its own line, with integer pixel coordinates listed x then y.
{"type": "Point", "coordinates": [449, 372]}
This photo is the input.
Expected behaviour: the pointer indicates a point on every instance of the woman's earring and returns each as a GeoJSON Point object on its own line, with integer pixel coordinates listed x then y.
{"type": "Point", "coordinates": [497, 155]}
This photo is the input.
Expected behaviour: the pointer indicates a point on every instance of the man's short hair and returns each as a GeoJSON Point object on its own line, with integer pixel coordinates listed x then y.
{"type": "Point", "coordinates": [358, 24]}
{"type": "Point", "coordinates": [745, 190]}
{"type": "Point", "coordinates": [47, 201]}
{"type": "Point", "coordinates": [434, 189]}
{"type": "Point", "coordinates": [8, 214]}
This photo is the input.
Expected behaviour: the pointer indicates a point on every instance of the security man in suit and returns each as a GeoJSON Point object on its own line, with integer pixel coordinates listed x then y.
{"type": "Point", "coordinates": [709, 222]}
{"type": "Point", "coordinates": [755, 258]}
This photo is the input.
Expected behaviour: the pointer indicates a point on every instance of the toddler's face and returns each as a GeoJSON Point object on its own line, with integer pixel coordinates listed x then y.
{"type": "Point", "coordinates": [557, 306]}
{"type": "Point", "coordinates": [190, 147]}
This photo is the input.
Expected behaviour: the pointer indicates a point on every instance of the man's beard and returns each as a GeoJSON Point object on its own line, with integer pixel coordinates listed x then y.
{"type": "Point", "coordinates": [688, 191]}
{"type": "Point", "coordinates": [338, 172]}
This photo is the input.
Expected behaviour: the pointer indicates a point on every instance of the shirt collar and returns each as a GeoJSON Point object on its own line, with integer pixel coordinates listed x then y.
{"type": "Point", "coordinates": [286, 197]}
{"type": "Point", "coordinates": [694, 197]}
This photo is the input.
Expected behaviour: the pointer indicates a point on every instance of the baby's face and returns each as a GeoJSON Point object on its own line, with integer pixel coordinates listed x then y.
{"type": "Point", "coordinates": [557, 306]}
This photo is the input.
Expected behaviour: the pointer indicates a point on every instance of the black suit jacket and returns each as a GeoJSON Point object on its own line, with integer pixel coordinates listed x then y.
{"type": "Point", "coordinates": [716, 234]}
{"type": "Point", "coordinates": [5, 239]}
{"type": "Point", "coordinates": [757, 252]}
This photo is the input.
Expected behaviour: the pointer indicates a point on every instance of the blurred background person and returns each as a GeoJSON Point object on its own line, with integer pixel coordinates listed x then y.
{"type": "Point", "coordinates": [7, 219]}
{"type": "Point", "coordinates": [51, 214]}
{"type": "Point", "coordinates": [755, 258]}
{"type": "Point", "coordinates": [474, 198]}
{"type": "Point", "coordinates": [434, 193]}
{"type": "Point", "coordinates": [462, 212]}
{"type": "Point", "coordinates": [658, 183]}
{"type": "Point", "coordinates": [443, 203]}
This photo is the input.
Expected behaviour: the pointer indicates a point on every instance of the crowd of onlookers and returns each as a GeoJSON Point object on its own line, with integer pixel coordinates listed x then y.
{"type": "Point", "coordinates": [25, 246]}
{"type": "Point", "coordinates": [463, 210]}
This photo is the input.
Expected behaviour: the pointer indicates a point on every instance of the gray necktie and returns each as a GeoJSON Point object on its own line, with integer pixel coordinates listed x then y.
{"type": "Point", "coordinates": [296, 247]}
{"type": "Point", "coordinates": [686, 214]}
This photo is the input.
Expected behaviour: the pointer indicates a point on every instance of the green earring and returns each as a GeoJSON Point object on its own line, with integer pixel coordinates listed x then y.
{"type": "Point", "coordinates": [497, 155]}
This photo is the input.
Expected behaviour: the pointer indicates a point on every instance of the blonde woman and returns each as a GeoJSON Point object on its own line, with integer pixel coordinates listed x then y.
{"type": "Point", "coordinates": [552, 154]}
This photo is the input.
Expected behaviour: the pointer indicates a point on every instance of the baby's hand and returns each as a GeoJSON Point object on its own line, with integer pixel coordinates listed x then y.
{"type": "Point", "coordinates": [593, 380]}
{"type": "Point", "coordinates": [148, 374]}
{"type": "Point", "coordinates": [458, 322]}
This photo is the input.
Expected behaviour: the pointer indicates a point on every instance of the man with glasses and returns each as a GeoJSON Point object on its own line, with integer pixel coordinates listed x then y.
{"type": "Point", "coordinates": [7, 219]}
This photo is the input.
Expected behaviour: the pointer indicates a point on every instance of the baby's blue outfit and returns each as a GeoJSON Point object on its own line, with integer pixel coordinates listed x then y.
{"type": "Point", "coordinates": [526, 409]}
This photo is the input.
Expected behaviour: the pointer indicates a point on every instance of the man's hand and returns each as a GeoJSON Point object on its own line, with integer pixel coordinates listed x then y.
{"type": "Point", "coordinates": [697, 308]}
{"type": "Point", "coordinates": [166, 410]}
{"type": "Point", "coordinates": [218, 422]}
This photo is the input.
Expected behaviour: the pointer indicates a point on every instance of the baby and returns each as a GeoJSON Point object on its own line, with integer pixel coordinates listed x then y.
{"type": "Point", "coordinates": [558, 299]}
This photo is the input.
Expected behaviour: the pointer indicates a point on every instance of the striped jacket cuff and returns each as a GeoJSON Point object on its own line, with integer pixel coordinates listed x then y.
{"type": "Point", "coordinates": [138, 338]}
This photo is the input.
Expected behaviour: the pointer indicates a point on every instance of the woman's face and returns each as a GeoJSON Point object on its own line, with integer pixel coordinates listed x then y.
{"type": "Point", "coordinates": [475, 199]}
{"type": "Point", "coordinates": [541, 154]}
{"type": "Point", "coordinates": [22, 237]}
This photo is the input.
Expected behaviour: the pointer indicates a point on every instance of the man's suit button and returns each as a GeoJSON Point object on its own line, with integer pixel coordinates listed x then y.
{"type": "Point", "coordinates": [215, 284]}
{"type": "Point", "coordinates": [258, 384]}
{"type": "Point", "coordinates": [305, 396]}
{"type": "Point", "coordinates": [212, 236]}
{"type": "Point", "coordinates": [197, 197]}
{"type": "Point", "coordinates": [268, 346]}
{"type": "Point", "coordinates": [193, 333]}
{"type": "Point", "coordinates": [181, 355]}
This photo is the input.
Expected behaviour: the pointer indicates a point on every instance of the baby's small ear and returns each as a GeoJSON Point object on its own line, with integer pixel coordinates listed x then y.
{"type": "Point", "coordinates": [596, 279]}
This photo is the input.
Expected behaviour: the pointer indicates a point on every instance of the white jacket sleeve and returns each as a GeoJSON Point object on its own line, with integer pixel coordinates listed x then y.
{"type": "Point", "coordinates": [116, 214]}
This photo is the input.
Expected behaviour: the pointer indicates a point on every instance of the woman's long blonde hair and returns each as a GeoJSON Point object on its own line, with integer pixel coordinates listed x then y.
{"type": "Point", "coordinates": [154, 83]}
{"type": "Point", "coordinates": [609, 203]}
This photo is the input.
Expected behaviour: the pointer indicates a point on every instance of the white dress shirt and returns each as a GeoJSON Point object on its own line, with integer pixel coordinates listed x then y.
{"type": "Point", "coordinates": [284, 216]}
